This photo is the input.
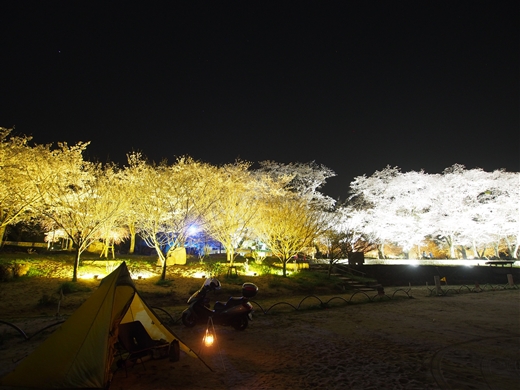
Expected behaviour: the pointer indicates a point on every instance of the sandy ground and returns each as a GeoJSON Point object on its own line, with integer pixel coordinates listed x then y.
{"type": "Point", "coordinates": [464, 340]}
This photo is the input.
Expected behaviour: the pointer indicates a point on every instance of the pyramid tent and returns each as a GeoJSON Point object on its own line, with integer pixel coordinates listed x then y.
{"type": "Point", "coordinates": [80, 353]}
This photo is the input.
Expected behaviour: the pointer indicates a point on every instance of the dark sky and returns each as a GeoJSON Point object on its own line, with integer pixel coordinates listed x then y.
{"type": "Point", "coordinates": [353, 85]}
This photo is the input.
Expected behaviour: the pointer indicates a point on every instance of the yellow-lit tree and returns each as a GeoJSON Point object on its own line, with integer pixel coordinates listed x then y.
{"type": "Point", "coordinates": [289, 223]}
{"type": "Point", "coordinates": [170, 200]}
{"type": "Point", "coordinates": [145, 191]}
{"type": "Point", "coordinates": [80, 200]}
{"type": "Point", "coordinates": [114, 229]}
{"type": "Point", "coordinates": [193, 189]}
{"type": "Point", "coordinates": [230, 217]}
{"type": "Point", "coordinates": [111, 235]}
{"type": "Point", "coordinates": [132, 180]}
{"type": "Point", "coordinates": [19, 162]}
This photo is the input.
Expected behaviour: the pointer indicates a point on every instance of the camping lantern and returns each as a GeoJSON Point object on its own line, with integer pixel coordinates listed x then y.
{"type": "Point", "coordinates": [209, 338]}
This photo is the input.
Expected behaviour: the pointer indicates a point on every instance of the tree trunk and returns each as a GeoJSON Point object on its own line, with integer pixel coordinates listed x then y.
{"type": "Point", "coordinates": [230, 256]}
{"type": "Point", "coordinates": [449, 240]}
{"type": "Point", "coordinates": [162, 257]}
{"type": "Point", "coordinates": [104, 251]}
{"type": "Point", "coordinates": [462, 251]}
{"type": "Point", "coordinates": [76, 263]}
{"type": "Point", "coordinates": [331, 264]}
{"type": "Point", "coordinates": [478, 255]}
{"type": "Point", "coordinates": [512, 249]}
{"type": "Point", "coordinates": [2, 233]}
{"type": "Point", "coordinates": [163, 273]}
{"type": "Point", "coordinates": [131, 229]}
{"type": "Point", "coordinates": [381, 251]}
{"type": "Point", "coordinates": [475, 250]}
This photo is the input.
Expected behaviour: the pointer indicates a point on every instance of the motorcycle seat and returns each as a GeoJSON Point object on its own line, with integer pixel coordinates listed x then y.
{"type": "Point", "coordinates": [233, 301]}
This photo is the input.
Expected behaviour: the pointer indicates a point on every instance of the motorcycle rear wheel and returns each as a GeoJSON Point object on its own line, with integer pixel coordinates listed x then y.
{"type": "Point", "coordinates": [241, 322]}
{"type": "Point", "coordinates": [188, 319]}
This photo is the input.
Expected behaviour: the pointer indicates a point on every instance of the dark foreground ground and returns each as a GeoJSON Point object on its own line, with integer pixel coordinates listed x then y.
{"type": "Point", "coordinates": [464, 340]}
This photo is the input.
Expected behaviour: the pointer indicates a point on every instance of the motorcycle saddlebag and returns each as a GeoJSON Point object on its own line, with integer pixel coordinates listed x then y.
{"type": "Point", "coordinates": [249, 290]}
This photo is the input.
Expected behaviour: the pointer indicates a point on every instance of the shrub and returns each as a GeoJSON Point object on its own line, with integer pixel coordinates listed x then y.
{"type": "Point", "coordinates": [20, 269]}
{"type": "Point", "coordinates": [261, 269]}
{"type": "Point", "coordinates": [13, 270]}
{"type": "Point", "coordinates": [214, 269]}
{"type": "Point", "coordinates": [6, 272]}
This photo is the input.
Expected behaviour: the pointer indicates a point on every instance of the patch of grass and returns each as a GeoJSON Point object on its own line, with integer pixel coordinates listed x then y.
{"type": "Point", "coordinates": [164, 282]}
{"type": "Point", "coordinates": [72, 287]}
{"type": "Point", "coordinates": [34, 273]}
{"type": "Point", "coordinates": [306, 282]}
{"type": "Point", "coordinates": [362, 279]}
{"type": "Point", "coordinates": [315, 278]}
{"type": "Point", "coordinates": [277, 281]}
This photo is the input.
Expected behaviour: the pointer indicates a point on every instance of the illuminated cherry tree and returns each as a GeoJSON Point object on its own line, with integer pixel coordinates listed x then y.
{"type": "Point", "coordinates": [145, 193]}
{"type": "Point", "coordinates": [492, 220]}
{"type": "Point", "coordinates": [345, 235]}
{"type": "Point", "coordinates": [279, 204]}
{"type": "Point", "coordinates": [462, 208]}
{"type": "Point", "coordinates": [504, 218]}
{"type": "Point", "coordinates": [115, 229]}
{"type": "Point", "coordinates": [452, 206]}
{"type": "Point", "coordinates": [19, 162]}
{"type": "Point", "coordinates": [304, 179]}
{"type": "Point", "coordinates": [229, 219]}
{"type": "Point", "coordinates": [289, 223]}
{"type": "Point", "coordinates": [80, 201]}
{"type": "Point", "coordinates": [395, 206]}
{"type": "Point", "coordinates": [169, 200]}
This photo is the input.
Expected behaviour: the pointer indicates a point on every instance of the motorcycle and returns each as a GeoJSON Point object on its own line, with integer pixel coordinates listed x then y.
{"type": "Point", "coordinates": [236, 312]}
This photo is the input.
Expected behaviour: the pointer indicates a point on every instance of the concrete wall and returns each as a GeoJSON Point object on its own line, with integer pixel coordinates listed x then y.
{"type": "Point", "coordinates": [402, 275]}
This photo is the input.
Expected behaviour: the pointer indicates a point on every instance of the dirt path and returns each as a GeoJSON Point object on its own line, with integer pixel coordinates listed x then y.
{"type": "Point", "coordinates": [459, 341]}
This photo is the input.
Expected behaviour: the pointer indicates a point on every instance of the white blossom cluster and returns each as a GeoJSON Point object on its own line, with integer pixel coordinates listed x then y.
{"type": "Point", "coordinates": [461, 208]}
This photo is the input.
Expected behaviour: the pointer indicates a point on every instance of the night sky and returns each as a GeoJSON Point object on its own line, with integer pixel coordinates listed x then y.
{"type": "Point", "coordinates": [353, 85]}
